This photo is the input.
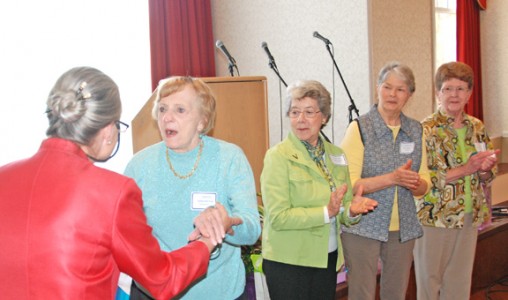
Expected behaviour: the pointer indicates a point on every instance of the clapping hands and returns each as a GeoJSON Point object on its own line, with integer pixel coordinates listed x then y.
{"type": "Point", "coordinates": [404, 176]}
{"type": "Point", "coordinates": [336, 200]}
{"type": "Point", "coordinates": [482, 161]}
{"type": "Point", "coordinates": [359, 205]}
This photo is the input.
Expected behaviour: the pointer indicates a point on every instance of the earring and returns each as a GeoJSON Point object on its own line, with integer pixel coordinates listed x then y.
{"type": "Point", "coordinates": [109, 142]}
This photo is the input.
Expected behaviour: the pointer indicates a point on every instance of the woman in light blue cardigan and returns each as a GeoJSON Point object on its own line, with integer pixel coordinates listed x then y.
{"type": "Point", "coordinates": [189, 171]}
{"type": "Point", "coordinates": [306, 194]}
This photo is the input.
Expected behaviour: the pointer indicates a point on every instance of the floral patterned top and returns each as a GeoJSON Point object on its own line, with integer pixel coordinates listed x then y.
{"type": "Point", "coordinates": [444, 205]}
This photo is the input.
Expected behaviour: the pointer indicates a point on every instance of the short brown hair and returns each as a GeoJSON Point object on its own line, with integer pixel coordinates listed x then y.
{"type": "Point", "coordinates": [452, 70]}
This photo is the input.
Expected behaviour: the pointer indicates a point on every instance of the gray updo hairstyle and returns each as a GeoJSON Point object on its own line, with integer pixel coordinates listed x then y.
{"type": "Point", "coordinates": [83, 101]}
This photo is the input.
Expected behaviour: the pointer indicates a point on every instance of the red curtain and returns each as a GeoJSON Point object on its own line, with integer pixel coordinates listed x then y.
{"type": "Point", "coordinates": [181, 39]}
{"type": "Point", "coordinates": [468, 50]}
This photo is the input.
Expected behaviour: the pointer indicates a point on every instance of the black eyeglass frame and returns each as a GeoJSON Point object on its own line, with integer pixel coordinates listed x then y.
{"type": "Point", "coordinates": [122, 127]}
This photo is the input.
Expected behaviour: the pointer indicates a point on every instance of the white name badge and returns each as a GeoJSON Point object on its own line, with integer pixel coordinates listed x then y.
{"type": "Point", "coordinates": [480, 147]}
{"type": "Point", "coordinates": [202, 200]}
{"type": "Point", "coordinates": [339, 160]}
{"type": "Point", "coordinates": [407, 147]}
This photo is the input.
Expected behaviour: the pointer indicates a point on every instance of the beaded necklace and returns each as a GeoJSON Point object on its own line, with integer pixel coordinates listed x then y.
{"type": "Point", "coordinates": [193, 169]}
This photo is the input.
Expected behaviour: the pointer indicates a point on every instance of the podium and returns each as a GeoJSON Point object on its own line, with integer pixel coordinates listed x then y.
{"type": "Point", "coordinates": [241, 119]}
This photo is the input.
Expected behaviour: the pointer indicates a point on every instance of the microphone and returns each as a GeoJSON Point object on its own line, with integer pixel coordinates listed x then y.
{"type": "Point", "coordinates": [220, 45]}
{"type": "Point", "coordinates": [270, 57]}
{"type": "Point", "coordinates": [317, 35]}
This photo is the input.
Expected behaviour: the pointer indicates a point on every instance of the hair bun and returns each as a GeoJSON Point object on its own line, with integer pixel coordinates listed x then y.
{"type": "Point", "coordinates": [68, 106]}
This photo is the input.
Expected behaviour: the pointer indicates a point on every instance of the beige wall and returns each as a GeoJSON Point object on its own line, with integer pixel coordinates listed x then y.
{"type": "Point", "coordinates": [287, 27]}
{"type": "Point", "coordinates": [366, 34]}
{"type": "Point", "coordinates": [494, 41]}
{"type": "Point", "coordinates": [402, 30]}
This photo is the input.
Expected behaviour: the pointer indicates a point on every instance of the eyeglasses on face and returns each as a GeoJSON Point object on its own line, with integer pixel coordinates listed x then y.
{"type": "Point", "coordinates": [294, 113]}
{"type": "Point", "coordinates": [121, 126]}
{"type": "Point", "coordinates": [451, 89]}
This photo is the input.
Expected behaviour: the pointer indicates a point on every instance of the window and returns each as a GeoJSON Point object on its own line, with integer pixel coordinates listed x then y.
{"type": "Point", "coordinates": [445, 28]}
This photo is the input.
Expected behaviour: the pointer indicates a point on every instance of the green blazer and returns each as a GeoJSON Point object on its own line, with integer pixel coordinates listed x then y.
{"type": "Point", "coordinates": [294, 192]}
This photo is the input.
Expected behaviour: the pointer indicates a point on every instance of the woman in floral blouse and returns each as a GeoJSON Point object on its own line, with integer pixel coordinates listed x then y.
{"type": "Point", "coordinates": [461, 161]}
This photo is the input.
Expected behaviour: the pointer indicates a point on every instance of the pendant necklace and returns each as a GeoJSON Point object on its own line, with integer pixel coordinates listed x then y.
{"type": "Point", "coordinates": [193, 169]}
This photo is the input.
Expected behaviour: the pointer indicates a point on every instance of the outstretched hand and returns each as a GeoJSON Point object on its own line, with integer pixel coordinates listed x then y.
{"type": "Point", "coordinates": [360, 204]}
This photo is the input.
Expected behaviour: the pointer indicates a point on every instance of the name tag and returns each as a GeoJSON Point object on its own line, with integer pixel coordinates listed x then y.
{"type": "Point", "coordinates": [202, 200]}
{"type": "Point", "coordinates": [407, 147]}
{"type": "Point", "coordinates": [480, 147]}
{"type": "Point", "coordinates": [339, 160]}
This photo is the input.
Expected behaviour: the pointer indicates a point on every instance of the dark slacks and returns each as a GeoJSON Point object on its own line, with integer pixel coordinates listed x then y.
{"type": "Point", "coordinates": [287, 281]}
{"type": "Point", "coordinates": [138, 294]}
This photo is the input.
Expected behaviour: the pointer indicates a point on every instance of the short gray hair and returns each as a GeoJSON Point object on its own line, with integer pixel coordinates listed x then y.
{"type": "Point", "coordinates": [312, 89]}
{"type": "Point", "coordinates": [401, 70]}
{"type": "Point", "coordinates": [83, 101]}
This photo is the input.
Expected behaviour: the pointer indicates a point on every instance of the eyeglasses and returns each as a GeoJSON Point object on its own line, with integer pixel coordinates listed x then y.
{"type": "Point", "coordinates": [121, 126]}
{"type": "Point", "coordinates": [451, 89]}
{"type": "Point", "coordinates": [293, 114]}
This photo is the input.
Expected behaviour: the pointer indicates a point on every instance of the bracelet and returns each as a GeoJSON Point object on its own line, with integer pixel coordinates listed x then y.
{"type": "Point", "coordinates": [216, 252]}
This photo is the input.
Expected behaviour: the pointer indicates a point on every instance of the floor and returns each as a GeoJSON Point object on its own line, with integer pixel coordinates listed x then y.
{"type": "Point", "coordinates": [496, 292]}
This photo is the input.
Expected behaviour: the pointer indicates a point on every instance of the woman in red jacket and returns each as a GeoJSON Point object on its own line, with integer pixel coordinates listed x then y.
{"type": "Point", "coordinates": [68, 228]}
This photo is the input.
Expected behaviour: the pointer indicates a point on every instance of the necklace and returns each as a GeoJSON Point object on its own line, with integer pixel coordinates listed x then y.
{"type": "Point", "coordinates": [193, 169]}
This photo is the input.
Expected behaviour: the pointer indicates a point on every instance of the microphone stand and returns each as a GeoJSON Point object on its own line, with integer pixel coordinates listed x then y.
{"type": "Point", "coordinates": [272, 66]}
{"type": "Point", "coordinates": [231, 69]}
{"type": "Point", "coordinates": [351, 107]}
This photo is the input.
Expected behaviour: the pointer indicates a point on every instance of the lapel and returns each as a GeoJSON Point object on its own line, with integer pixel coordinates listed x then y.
{"type": "Point", "coordinates": [296, 152]}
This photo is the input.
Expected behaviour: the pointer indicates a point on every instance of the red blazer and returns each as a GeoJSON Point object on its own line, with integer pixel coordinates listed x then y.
{"type": "Point", "coordinates": [68, 227]}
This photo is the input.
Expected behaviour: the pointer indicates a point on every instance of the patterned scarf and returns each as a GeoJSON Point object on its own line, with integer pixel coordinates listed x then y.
{"type": "Point", "coordinates": [317, 154]}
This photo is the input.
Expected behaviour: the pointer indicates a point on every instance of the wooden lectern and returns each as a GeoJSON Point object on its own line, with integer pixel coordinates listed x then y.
{"type": "Point", "coordinates": [242, 118]}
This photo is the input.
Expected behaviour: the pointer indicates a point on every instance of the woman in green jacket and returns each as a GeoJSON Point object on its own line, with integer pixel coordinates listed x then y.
{"type": "Point", "coordinates": [306, 194]}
